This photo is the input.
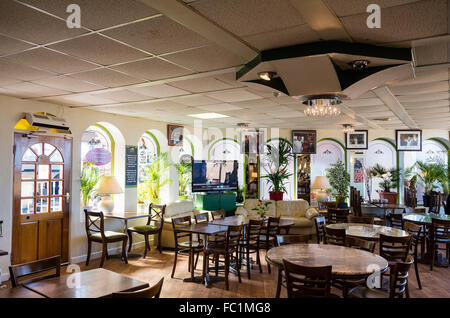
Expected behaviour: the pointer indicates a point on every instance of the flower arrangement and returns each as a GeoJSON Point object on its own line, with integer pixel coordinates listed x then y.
{"type": "Point", "coordinates": [262, 208]}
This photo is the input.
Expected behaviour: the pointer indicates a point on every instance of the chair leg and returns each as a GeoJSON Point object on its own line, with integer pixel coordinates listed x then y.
{"type": "Point", "coordinates": [268, 265]}
{"type": "Point", "coordinates": [258, 260]}
{"type": "Point", "coordinates": [238, 265]}
{"type": "Point", "coordinates": [227, 269]}
{"type": "Point", "coordinates": [433, 255]}
{"type": "Point", "coordinates": [416, 268]}
{"type": "Point", "coordinates": [189, 260]}
{"type": "Point", "coordinates": [159, 243]}
{"type": "Point", "coordinates": [174, 262]}
{"type": "Point", "coordinates": [88, 257]}
{"type": "Point", "coordinates": [216, 264]}
{"type": "Point", "coordinates": [248, 261]}
{"type": "Point", "coordinates": [196, 260]}
{"type": "Point", "coordinates": [130, 238]}
{"type": "Point", "coordinates": [205, 260]}
{"type": "Point", "coordinates": [280, 278]}
{"type": "Point", "coordinates": [104, 252]}
{"type": "Point", "coordinates": [124, 250]}
{"type": "Point", "coordinates": [146, 245]}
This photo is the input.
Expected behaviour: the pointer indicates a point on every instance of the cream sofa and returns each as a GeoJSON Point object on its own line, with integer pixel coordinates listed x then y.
{"type": "Point", "coordinates": [298, 211]}
{"type": "Point", "coordinates": [174, 210]}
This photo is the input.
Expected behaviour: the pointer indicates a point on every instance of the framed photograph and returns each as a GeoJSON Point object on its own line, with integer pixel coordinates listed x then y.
{"type": "Point", "coordinates": [359, 139]}
{"type": "Point", "coordinates": [175, 135]}
{"type": "Point", "coordinates": [252, 142]}
{"type": "Point", "coordinates": [304, 141]}
{"type": "Point", "coordinates": [408, 140]}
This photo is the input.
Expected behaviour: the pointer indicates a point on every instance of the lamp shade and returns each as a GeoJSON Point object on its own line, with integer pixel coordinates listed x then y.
{"type": "Point", "coordinates": [320, 183]}
{"type": "Point", "coordinates": [109, 185]}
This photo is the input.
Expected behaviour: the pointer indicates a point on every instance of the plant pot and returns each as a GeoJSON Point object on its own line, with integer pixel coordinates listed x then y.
{"type": "Point", "coordinates": [342, 205]}
{"type": "Point", "coordinates": [142, 207]}
{"type": "Point", "coordinates": [391, 197]}
{"type": "Point", "coordinates": [276, 196]}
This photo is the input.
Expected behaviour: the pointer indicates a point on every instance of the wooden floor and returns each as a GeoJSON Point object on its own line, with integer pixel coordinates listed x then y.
{"type": "Point", "coordinates": [155, 266]}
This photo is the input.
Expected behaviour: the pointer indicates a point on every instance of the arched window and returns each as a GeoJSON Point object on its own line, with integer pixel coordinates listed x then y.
{"type": "Point", "coordinates": [148, 150]}
{"type": "Point", "coordinates": [93, 140]}
{"type": "Point", "coordinates": [148, 153]}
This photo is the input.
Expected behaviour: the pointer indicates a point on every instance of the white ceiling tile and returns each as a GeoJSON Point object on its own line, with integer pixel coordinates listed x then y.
{"type": "Point", "coordinates": [197, 100]}
{"type": "Point", "coordinates": [233, 96]}
{"type": "Point", "coordinates": [203, 84]}
{"type": "Point", "coordinates": [32, 90]}
{"type": "Point", "coordinates": [219, 107]}
{"type": "Point", "coordinates": [159, 91]}
{"type": "Point", "coordinates": [423, 88]}
{"type": "Point", "coordinates": [68, 84]}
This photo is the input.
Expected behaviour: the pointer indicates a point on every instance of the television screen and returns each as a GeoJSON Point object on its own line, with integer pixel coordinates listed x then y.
{"type": "Point", "coordinates": [214, 175]}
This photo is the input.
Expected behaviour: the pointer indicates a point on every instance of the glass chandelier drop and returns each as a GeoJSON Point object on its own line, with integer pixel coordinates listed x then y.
{"type": "Point", "coordinates": [320, 107]}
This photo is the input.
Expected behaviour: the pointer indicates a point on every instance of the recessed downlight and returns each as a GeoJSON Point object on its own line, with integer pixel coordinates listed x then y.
{"type": "Point", "coordinates": [266, 76]}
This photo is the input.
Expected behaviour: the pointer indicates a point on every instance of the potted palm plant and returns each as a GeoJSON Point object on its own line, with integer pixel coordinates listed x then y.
{"type": "Point", "coordinates": [339, 180]}
{"type": "Point", "coordinates": [276, 170]}
{"type": "Point", "coordinates": [431, 175]}
{"type": "Point", "coordinates": [390, 179]}
{"type": "Point", "coordinates": [155, 178]}
{"type": "Point", "coordinates": [88, 180]}
{"type": "Point", "coordinates": [184, 178]}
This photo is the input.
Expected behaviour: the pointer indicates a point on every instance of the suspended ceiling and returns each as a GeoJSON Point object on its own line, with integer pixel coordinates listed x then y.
{"type": "Point", "coordinates": [165, 60]}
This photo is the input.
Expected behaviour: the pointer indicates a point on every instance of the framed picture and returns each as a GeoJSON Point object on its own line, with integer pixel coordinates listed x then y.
{"type": "Point", "coordinates": [304, 141]}
{"type": "Point", "coordinates": [252, 142]}
{"type": "Point", "coordinates": [175, 135]}
{"type": "Point", "coordinates": [359, 139]}
{"type": "Point", "coordinates": [408, 140]}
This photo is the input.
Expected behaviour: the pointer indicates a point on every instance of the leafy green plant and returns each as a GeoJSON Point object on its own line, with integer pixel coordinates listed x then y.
{"type": "Point", "coordinates": [431, 174]}
{"type": "Point", "coordinates": [278, 160]}
{"type": "Point", "coordinates": [339, 180]}
{"type": "Point", "coordinates": [390, 178]}
{"type": "Point", "coordinates": [88, 180]}
{"type": "Point", "coordinates": [155, 178]}
{"type": "Point", "coordinates": [262, 208]}
{"type": "Point", "coordinates": [184, 176]}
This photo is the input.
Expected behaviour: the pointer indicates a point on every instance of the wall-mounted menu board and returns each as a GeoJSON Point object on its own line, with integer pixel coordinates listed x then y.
{"type": "Point", "coordinates": [131, 166]}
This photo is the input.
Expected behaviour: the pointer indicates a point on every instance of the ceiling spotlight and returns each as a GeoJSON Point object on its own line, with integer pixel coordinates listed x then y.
{"type": "Point", "coordinates": [359, 65]}
{"type": "Point", "coordinates": [348, 128]}
{"type": "Point", "coordinates": [266, 76]}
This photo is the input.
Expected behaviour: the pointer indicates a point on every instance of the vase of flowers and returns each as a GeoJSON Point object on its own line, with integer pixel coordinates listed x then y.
{"type": "Point", "coordinates": [262, 208]}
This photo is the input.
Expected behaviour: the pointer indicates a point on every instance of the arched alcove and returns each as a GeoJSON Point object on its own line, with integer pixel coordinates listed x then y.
{"type": "Point", "coordinates": [380, 151]}
{"type": "Point", "coordinates": [290, 184]}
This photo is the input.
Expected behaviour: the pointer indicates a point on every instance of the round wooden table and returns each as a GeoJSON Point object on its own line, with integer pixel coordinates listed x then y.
{"type": "Point", "coordinates": [424, 218]}
{"type": "Point", "coordinates": [370, 232]}
{"type": "Point", "coordinates": [345, 261]}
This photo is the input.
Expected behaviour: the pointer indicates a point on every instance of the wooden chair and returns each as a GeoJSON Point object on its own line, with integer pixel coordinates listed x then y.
{"type": "Point", "coordinates": [268, 239]}
{"type": "Point", "coordinates": [307, 282]}
{"type": "Point", "coordinates": [201, 218]}
{"type": "Point", "coordinates": [415, 231]}
{"type": "Point", "coordinates": [396, 220]}
{"type": "Point", "coordinates": [347, 284]}
{"type": "Point", "coordinates": [154, 226]}
{"type": "Point", "coordinates": [398, 283]}
{"type": "Point", "coordinates": [250, 243]}
{"type": "Point", "coordinates": [334, 236]}
{"type": "Point", "coordinates": [394, 249]}
{"type": "Point", "coordinates": [320, 223]}
{"type": "Point", "coordinates": [95, 231]}
{"type": "Point", "coordinates": [149, 292]}
{"type": "Point", "coordinates": [410, 198]}
{"type": "Point", "coordinates": [227, 247]}
{"type": "Point", "coordinates": [291, 239]}
{"type": "Point", "coordinates": [360, 219]}
{"type": "Point", "coordinates": [217, 215]}
{"type": "Point", "coordinates": [33, 268]}
{"type": "Point", "coordinates": [338, 215]}
{"type": "Point", "coordinates": [439, 234]}
{"type": "Point", "coordinates": [419, 210]}
{"type": "Point", "coordinates": [434, 205]}
{"type": "Point", "coordinates": [184, 242]}
{"type": "Point", "coordinates": [360, 244]}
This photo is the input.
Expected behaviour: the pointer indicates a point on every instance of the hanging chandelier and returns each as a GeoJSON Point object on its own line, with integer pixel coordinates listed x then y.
{"type": "Point", "coordinates": [322, 105]}
{"type": "Point", "coordinates": [347, 128]}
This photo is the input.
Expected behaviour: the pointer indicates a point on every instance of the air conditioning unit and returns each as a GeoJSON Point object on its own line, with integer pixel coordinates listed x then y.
{"type": "Point", "coordinates": [46, 121]}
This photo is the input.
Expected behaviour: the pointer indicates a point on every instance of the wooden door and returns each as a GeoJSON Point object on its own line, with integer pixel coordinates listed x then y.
{"type": "Point", "coordinates": [41, 208]}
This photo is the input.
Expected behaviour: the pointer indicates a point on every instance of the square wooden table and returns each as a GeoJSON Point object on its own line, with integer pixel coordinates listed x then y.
{"type": "Point", "coordinates": [95, 283]}
{"type": "Point", "coordinates": [202, 229]}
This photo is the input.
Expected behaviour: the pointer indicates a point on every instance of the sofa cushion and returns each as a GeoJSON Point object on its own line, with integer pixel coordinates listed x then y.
{"type": "Point", "coordinates": [312, 213]}
{"type": "Point", "coordinates": [179, 208]}
{"type": "Point", "coordinates": [299, 221]}
{"type": "Point", "coordinates": [294, 208]}
{"type": "Point", "coordinates": [250, 204]}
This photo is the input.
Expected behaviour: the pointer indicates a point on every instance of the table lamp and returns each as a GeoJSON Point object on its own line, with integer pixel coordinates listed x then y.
{"type": "Point", "coordinates": [108, 185]}
{"type": "Point", "coordinates": [321, 183]}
